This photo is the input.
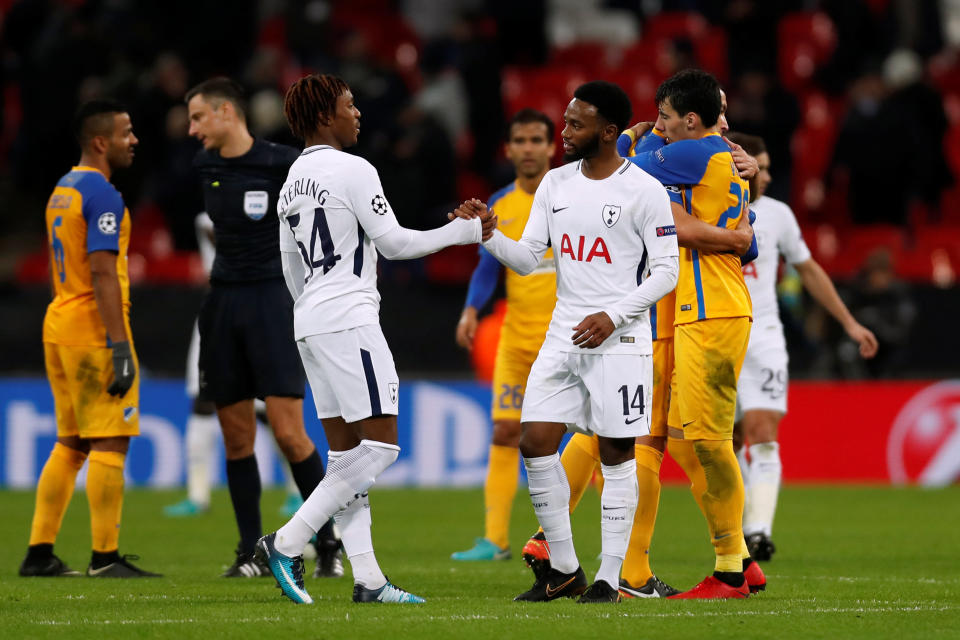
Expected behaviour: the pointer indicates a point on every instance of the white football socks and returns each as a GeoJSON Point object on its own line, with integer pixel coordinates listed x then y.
{"type": "Point", "coordinates": [354, 522]}
{"type": "Point", "coordinates": [618, 503]}
{"type": "Point", "coordinates": [350, 474]}
{"type": "Point", "coordinates": [201, 438]}
{"type": "Point", "coordinates": [550, 494]}
{"type": "Point", "coordinates": [764, 487]}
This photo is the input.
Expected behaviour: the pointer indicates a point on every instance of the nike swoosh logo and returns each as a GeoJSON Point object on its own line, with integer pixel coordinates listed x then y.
{"type": "Point", "coordinates": [688, 423]}
{"type": "Point", "coordinates": [551, 592]}
{"type": "Point", "coordinates": [125, 366]}
{"type": "Point", "coordinates": [609, 508]}
{"type": "Point", "coordinates": [555, 210]}
{"type": "Point", "coordinates": [293, 585]}
{"type": "Point", "coordinates": [632, 421]}
{"type": "Point", "coordinates": [96, 572]}
{"type": "Point", "coordinates": [507, 221]}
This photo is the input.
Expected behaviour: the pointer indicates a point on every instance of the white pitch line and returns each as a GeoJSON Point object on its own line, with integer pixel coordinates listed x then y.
{"type": "Point", "coordinates": [898, 579]}
{"type": "Point", "coordinates": [475, 617]}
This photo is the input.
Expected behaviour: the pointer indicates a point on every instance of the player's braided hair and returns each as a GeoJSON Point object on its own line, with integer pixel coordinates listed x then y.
{"type": "Point", "coordinates": [310, 100]}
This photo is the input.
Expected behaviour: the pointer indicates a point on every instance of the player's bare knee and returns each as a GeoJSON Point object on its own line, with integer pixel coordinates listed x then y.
{"type": "Point", "coordinates": [75, 442]}
{"type": "Point", "coordinates": [614, 451]}
{"type": "Point", "coordinates": [761, 426]}
{"type": "Point", "coordinates": [118, 444]}
{"type": "Point", "coordinates": [654, 442]}
{"type": "Point", "coordinates": [382, 428]}
{"type": "Point", "coordinates": [506, 433]}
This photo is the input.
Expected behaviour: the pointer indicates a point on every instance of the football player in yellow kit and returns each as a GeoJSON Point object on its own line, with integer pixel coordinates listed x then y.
{"type": "Point", "coordinates": [90, 360]}
{"type": "Point", "coordinates": [713, 317]}
{"type": "Point", "coordinates": [530, 302]}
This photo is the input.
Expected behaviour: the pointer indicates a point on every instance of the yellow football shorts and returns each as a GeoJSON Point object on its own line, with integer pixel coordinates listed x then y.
{"type": "Point", "coordinates": [662, 375]}
{"type": "Point", "coordinates": [708, 357]}
{"type": "Point", "coordinates": [79, 377]}
{"type": "Point", "coordinates": [510, 371]}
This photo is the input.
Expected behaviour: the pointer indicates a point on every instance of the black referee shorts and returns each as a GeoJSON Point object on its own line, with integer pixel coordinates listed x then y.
{"type": "Point", "coordinates": [247, 349]}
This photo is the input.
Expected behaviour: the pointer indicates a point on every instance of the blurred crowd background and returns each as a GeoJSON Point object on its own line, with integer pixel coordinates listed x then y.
{"type": "Point", "coordinates": [858, 102]}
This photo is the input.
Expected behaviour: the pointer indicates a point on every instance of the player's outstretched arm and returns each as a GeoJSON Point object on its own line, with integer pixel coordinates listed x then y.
{"type": "Point", "coordinates": [401, 243]}
{"type": "Point", "coordinates": [522, 256]}
{"type": "Point", "coordinates": [107, 292]}
{"type": "Point", "coordinates": [818, 283]}
{"type": "Point", "coordinates": [694, 233]}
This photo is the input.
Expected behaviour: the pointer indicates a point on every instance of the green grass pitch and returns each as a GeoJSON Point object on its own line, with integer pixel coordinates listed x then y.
{"type": "Point", "coordinates": [852, 562]}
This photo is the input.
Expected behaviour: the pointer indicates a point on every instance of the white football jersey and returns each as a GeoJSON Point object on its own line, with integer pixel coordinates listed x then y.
{"type": "Point", "coordinates": [331, 209]}
{"type": "Point", "coordinates": [602, 233]}
{"type": "Point", "coordinates": [777, 234]}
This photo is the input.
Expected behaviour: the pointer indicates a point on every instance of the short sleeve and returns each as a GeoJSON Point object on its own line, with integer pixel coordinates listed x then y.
{"type": "Point", "coordinates": [650, 142]}
{"type": "Point", "coordinates": [791, 243]}
{"type": "Point", "coordinates": [675, 194]}
{"type": "Point", "coordinates": [103, 210]}
{"type": "Point", "coordinates": [368, 202]}
{"type": "Point", "coordinates": [682, 162]}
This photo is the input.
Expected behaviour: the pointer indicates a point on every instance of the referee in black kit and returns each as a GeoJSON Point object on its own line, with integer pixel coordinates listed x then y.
{"type": "Point", "coordinates": [247, 349]}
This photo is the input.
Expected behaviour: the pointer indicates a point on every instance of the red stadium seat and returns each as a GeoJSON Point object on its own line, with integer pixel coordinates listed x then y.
{"type": "Point", "coordinates": [677, 24]}
{"type": "Point", "coordinates": [806, 40]}
{"type": "Point", "coordinates": [841, 251]}
{"type": "Point", "coordinates": [709, 43]}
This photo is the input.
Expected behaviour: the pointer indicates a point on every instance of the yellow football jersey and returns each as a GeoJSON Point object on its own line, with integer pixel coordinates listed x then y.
{"type": "Point", "coordinates": [85, 213]}
{"type": "Point", "coordinates": [700, 175]}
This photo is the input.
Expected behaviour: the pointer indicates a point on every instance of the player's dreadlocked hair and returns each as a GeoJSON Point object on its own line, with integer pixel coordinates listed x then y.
{"type": "Point", "coordinates": [310, 100]}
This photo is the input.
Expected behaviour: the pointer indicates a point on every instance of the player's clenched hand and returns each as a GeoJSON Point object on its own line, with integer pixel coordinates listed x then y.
{"type": "Point", "coordinates": [467, 328]}
{"type": "Point", "coordinates": [468, 210]}
{"type": "Point", "coordinates": [593, 330]}
{"type": "Point", "coordinates": [124, 370]}
{"type": "Point", "coordinates": [746, 164]}
{"type": "Point", "coordinates": [865, 338]}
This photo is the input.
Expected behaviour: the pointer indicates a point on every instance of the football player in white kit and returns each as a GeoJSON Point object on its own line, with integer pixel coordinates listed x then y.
{"type": "Point", "coordinates": [606, 220]}
{"type": "Point", "coordinates": [333, 220]}
{"type": "Point", "coordinates": [762, 387]}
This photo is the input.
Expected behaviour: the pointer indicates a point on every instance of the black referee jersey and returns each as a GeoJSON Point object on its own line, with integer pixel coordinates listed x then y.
{"type": "Point", "coordinates": [240, 195]}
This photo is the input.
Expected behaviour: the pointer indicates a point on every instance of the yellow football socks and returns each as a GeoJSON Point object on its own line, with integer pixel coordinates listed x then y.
{"type": "Point", "coordinates": [636, 565]}
{"type": "Point", "coordinates": [580, 459]}
{"type": "Point", "coordinates": [105, 493]}
{"type": "Point", "coordinates": [54, 490]}
{"type": "Point", "coordinates": [503, 472]}
{"type": "Point", "coordinates": [723, 501]}
{"type": "Point", "coordinates": [682, 451]}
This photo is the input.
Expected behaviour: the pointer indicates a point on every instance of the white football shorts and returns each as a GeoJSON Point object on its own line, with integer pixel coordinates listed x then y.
{"type": "Point", "coordinates": [351, 373]}
{"type": "Point", "coordinates": [764, 377]}
{"type": "Point", "coordinates": [604, 394]}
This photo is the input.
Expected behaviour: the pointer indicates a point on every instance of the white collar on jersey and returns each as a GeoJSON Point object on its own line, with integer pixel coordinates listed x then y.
{"type": "Point", "coordinates": [316, 147]}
